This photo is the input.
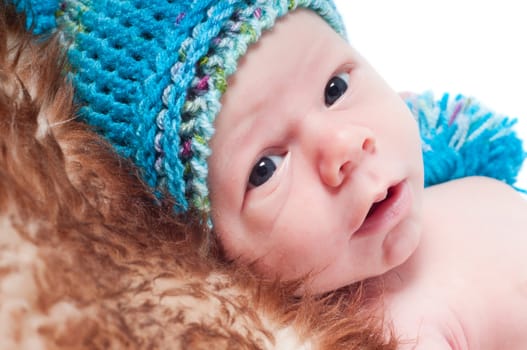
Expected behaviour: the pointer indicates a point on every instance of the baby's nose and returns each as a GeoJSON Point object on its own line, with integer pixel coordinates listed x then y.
{"type": "Point", "coordinates": [342, 150]}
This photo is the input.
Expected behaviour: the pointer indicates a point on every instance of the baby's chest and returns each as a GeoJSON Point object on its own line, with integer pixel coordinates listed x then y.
{"type": "Point", "coordinates": [467, 281]}
{"type": "Point", "coordinates": [471, 290]}
{"type": "Point", "coordinates": [419, 319]}
{"type": "Point", "coordinates": [481, 319]}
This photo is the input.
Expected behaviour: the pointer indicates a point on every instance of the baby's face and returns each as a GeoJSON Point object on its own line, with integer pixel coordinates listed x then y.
{"type": "Point", "coordinates": [316, 163]}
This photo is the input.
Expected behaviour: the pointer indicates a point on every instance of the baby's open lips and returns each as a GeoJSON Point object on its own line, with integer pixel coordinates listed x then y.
{"type": "Point", "coordinates": [379, 201]}
{"type": "Point", "coordinates": [385, 210]}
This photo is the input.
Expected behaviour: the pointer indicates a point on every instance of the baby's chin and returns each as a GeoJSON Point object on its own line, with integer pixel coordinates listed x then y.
{"type": "Point", "coordinates": [400, 244]}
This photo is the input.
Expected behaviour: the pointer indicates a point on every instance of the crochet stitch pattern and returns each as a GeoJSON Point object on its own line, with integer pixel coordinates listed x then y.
{"type": "Point", "coordinates": [151, 76]}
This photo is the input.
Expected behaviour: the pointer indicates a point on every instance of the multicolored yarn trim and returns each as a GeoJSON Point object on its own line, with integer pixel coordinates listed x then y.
{"type": "Point", "coordinates": [241, 26]}
{"type": "Point", "coordinates": [152, 74]}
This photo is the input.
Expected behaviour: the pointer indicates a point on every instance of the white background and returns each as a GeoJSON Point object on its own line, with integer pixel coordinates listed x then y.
{"type": "Point", "coordinates": [477, 48]}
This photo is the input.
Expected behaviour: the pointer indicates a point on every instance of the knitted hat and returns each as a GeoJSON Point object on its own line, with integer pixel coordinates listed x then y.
{"type": "Point", "coordinates": [151, 75]}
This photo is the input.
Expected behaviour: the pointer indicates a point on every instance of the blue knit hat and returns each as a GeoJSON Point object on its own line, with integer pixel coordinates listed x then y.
{"type": "Point", "coordinates": [151, 75]}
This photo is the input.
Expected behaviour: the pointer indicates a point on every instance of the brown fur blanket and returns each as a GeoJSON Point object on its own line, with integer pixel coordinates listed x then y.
{"type": "Point", "coordinates": [90, 260]}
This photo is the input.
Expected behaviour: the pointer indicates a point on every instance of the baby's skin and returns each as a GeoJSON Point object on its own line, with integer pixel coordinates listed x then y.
{"type": "Point", "coordinates": [465, 286]}
{"type": "Point", "coordinates": [316, 169]}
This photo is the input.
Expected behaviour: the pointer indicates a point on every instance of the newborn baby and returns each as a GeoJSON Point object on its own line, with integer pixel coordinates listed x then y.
{"type": "Point", "coordinates": [329, 184]}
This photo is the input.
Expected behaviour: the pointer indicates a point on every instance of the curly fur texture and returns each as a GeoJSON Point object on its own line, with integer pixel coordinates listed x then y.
{"type": "Point", "coordinates": [90, 260]}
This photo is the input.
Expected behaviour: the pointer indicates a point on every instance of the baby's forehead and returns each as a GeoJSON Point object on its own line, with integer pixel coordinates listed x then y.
{"type": "Point", "coordinates": [278, 81]}
{"type": "Point", "coordinates": [300, 45]}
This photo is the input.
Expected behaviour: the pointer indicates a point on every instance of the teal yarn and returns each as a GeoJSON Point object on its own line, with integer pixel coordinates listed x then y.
{"type": "Point", "coordinates": [461, 137]}
{"type": "Point", "coordinates": [40, 14]}
{"type": "Point", "coordinates": [150, 75]}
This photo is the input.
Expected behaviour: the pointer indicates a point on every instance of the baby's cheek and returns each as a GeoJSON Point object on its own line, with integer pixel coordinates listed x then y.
{"type": "Point", "coordinates": [276, 264]}
{"type": "Point", "coordinates": [230, 246]}
{"type": "Point", "coordinates": [284, 261]}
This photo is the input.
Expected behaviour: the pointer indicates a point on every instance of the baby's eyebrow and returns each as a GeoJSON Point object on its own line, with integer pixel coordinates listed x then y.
{"type": "Point", "coordinates": [251, 116]}
{"type": "Point", "coordinates": [235, 146]}
{"type": "Point", "coordinates": [259, 100]}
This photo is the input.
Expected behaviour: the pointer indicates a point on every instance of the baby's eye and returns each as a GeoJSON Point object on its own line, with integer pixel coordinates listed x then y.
{"type": "Point", "coordinates": [263, 170]}
{"type": "Point", "coordinates": [335, 88]}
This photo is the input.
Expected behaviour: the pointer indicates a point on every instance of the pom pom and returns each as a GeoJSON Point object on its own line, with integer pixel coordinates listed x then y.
{"type": "Point", "coordinates": [460, 137]}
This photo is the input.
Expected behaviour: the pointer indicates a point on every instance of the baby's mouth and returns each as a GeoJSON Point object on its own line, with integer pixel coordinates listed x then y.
{"type": "Point", "coordinates": [386, 210]}
{"type": "Point", "coordinates": [379, 203]}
